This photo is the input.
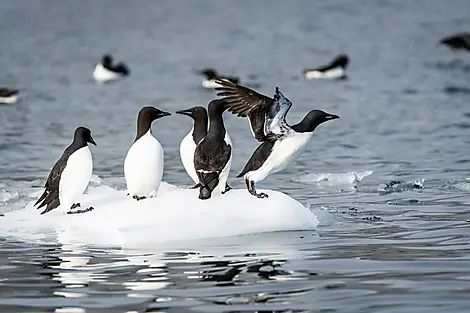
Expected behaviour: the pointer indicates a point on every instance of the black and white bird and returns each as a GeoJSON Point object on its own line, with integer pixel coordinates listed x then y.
{"type": "Point", "coordinates": [336, 69]}
{"type": "Point", "coordinates": [211, 75]}
{"type": "Point", "coordinates": [143, 165]}
{"type": "Point", "coordinates": [70, 175]}
{"type": "Point", "coordinates": [105, 71]}
{"type": "Point", "coordinates": [8, 96]}
{"type": "Point", "coordinates": [195, 135]}
{"type": "Point", "coordinates": [213, 154]}
{"type": "Point", "coordinates": [458, 41]}
{"type": "Point", "coordinates": [281, 143]}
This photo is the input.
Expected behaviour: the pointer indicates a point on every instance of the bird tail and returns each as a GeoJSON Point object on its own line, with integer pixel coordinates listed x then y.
{"type": "Point", "coordinates": [208, 182]}
{"type": "Point", "coordinates": [44, 194]}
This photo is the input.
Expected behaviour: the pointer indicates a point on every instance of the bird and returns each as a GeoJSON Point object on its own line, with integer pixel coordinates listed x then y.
{"type": "Point", "coordinates": [70, 175]}
{"type": "Point", "coordinates": [8, 96]}
{"type": "Point", "coordinates": [195, 135]}
{"type": "Point", "coordinates": [457, 41]}
{"type": "Point", "coordinates": [143, 165]}
{"type": "Point", "coordinates": [213, 154]}
{"type": "Point", "coordinates": [336, 69]}
{"type": "Point", "coordinates": [281, 143]}
{"type": "Point", "coordinates": [105, 71]}
{"type": "Point", "coordinates": [210, 75]}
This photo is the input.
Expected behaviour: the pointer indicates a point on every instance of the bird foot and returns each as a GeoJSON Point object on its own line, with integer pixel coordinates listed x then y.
{"type": "Point", "coordinates": [260, 195]}
{"type": "Point", "coordinates": [195, 186]}
{"type": "Point", "coordinates": [81, 211]}
{"type": "Point", "coordinates": [75, 205]}
{"type": "Point", "coordinates": [227, 188]}
{"type": "Point", "coordinates": [139, 198]}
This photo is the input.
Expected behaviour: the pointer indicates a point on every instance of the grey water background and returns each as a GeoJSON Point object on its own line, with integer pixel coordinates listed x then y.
{"type": "Point", "coordinates": [405, 115]}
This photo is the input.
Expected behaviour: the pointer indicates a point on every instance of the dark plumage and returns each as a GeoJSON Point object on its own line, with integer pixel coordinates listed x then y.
{"type": "Point", "coordinates": [201, 120]}
{"type": "Point", "coordinates": [457, 41]}
{"type": "Point", "coordinates": [121, 68]}
{"type": "Point", "coordinates": [5, 92]}
{"type": "Point", "coordinates": [50, 196]}
{"type": "Point", "coordinates": [212, 153]}
{"type": "Point", "coordinates": [211, 74]}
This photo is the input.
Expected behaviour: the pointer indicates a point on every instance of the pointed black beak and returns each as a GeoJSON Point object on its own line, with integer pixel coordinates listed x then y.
{"type": "Point", "coordinates": [332, 117]}
{"type": "Point", "coordinates": [92, 141]}
{"type": "Point", "coordinates": [163, 114]}
{"type": "Point", "coordinates": [184, 112]}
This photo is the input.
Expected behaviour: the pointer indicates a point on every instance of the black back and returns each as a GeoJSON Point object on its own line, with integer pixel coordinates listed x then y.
{"type": "Point", "coordinates": [145, 118]}
{"type": "Point", "coordinates": [5, 92]}
{"type": "Point", "coordinates": [212, 153]}
{"type": "Point", "coordinates": [121, 68]}
{"type": "Point", "coordinates": [458, 41]}
{"type": "Point", "coordinates": [341, 60]}
{"type": "Point", "coordinates": [258, 157]}
{"type": "Point", "coordinates": [210, 74]}
{"type": "Point", "coordinates": [50, 197]}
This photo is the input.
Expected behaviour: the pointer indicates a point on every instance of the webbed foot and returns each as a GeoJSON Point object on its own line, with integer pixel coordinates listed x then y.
{"type": "Point", "coordinates": [81, 211]}
{"type": "Point", "coordinates": [75, 205]}
{"type": "Point", "coordinates": [227, 188]}
{"type": "Point", "coordinates": [138, 198]}
{"type": "Point", "coordinates": [250, 185]}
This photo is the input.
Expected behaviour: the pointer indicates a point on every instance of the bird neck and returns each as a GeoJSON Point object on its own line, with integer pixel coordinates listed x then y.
{"type": "Point", "coordinates": [200, 129]}
{"type": "Point", "coordinates": [216, 126]}
{"type": "Point", "coordinates": [143, 127]}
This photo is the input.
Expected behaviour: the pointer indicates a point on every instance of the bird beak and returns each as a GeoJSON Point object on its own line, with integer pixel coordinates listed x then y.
{"type": "Point", "coordinates": [91, 140]}
{"type": "Point", "coordinates": [163, 114]}
{"type": "Point", "coordinates": [184, 112]}
{"type": "Point", "coordinates": [332, 117]}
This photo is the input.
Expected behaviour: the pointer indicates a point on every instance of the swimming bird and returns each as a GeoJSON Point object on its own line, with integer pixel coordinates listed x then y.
{"type": "Point", "coordinates": [210, 76]}
{"type": "Point", "coordinates": [334, 70]}
{"type": "Point", "coordinates": [8, 96]}
{"type": "Point", "coordinates": [213, 154]}
{"type": "Point", "coordinates": [143, 165]}
{"type": "Point", "coordinates": [70, 175]}
{"type": "Point", "coordinates": [105, 70]}
{"type": "Point", "coordinates": [457, 41]}
{"type": "Point", "coordinates": [195, 135]}
{"type": "Point", "coordinates": [281, 143]}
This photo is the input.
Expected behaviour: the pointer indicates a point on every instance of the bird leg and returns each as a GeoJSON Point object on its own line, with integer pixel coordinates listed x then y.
{"type": "Point", "coordinates": [195, 186]}
{"type": "Point", "coordinates": [75, 205]}
{"type": "Point", "coordinates": [250, 185]}
{"type": "Point", "coordinates": [81, 211]}
{"type": "Point", "coordinates": [139, 198]}
{"type": "Point", "coordinates": [227, 188]}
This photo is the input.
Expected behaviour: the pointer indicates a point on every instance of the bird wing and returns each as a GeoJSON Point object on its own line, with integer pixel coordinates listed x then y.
{"type": "Point", "coordinates": [266, 115]}
{"type": "Point", "coordinates": [50, 196]}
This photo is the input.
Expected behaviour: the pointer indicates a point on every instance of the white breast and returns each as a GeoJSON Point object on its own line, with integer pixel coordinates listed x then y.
{"type": "Point", "coordinates": [102, 74]}
{"type": "Point", "coordinates": [223, 177]}
{"type": "Point", "coordinates": [209, 83]}
{"type": "Point", "coordinates": [143, 166]}
{"type": "Point", "coordinates": [187, 148]}
{"type": "Point", "coordinates": [283, 153]}
{"type": "Point", "coordinates": [9, 100]}
{"type": "Point", "coordinates": [337, 72]}
{"type": "Point", "coordinates": [75, 177]}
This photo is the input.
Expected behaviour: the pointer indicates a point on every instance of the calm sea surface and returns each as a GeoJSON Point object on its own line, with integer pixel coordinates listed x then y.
{"type": "Point", "coordinates": [394, 240]}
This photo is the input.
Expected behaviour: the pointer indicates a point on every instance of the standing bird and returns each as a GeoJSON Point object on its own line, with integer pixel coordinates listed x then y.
{"type": "Point", "coordinates": [457, 41]}
{"type": "Point", "coordinates": [8, 96]}
{"type": "Point", "coordinates": [281, 143]}
{"type": "Point", "coordinates": [336, 69]}
{"type": "Point", "coordinates": [105, 70]}
{"type": "Point", "coordinates": [210, 76]}
{"type": "Point", "coordinates": [143, 166]}
{"type": "Point", "coordinates": [195, 135]}
{"type": "Point", "coordinates": [213, 154]}
{"type": "Point", "coordinates": [70, 175]}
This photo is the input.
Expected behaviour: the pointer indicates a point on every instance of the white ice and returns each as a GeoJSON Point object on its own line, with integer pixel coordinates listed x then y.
{"type": "Point", "coordinates": [175, 214]}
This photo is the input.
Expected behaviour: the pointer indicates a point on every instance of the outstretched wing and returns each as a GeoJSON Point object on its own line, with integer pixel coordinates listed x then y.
{"type": "Point", "coordinates": [266, 115]}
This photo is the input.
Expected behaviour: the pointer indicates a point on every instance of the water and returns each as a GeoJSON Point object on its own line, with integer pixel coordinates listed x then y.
{"type": "Point", "coordinates": [396, 240]}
